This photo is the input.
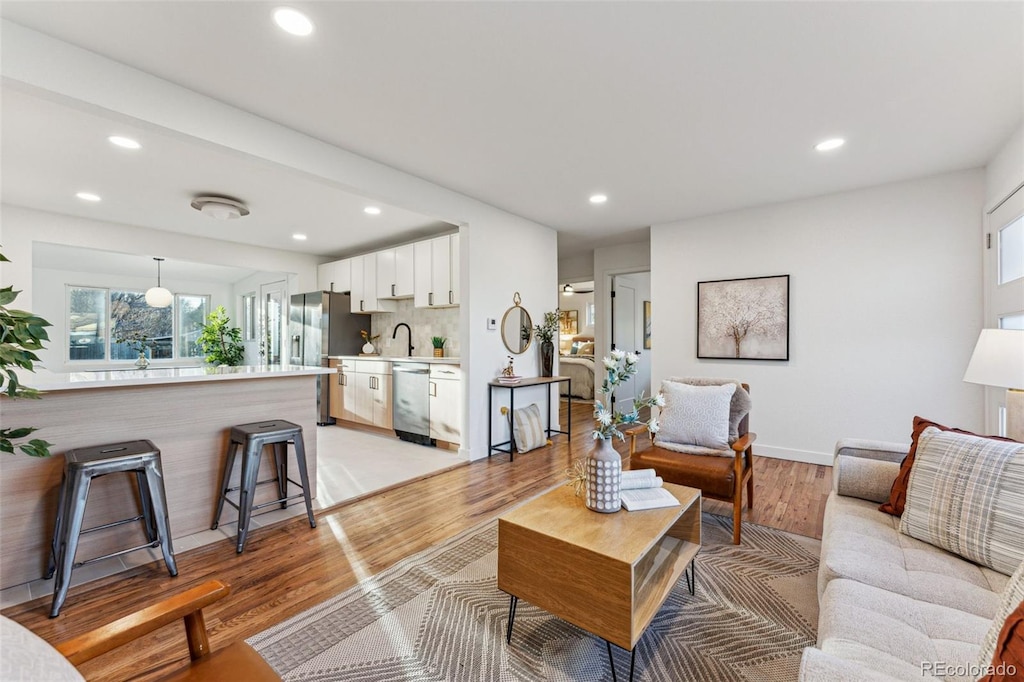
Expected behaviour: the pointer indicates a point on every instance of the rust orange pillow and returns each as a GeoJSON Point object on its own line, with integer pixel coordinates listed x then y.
{"type": "Point", "coordinates": [898, 493]}
{"type": "Point", "coordinates": [1008, 659]}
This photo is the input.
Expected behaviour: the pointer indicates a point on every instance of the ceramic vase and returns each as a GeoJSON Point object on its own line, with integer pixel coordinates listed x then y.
{"type": "Point", "coordinates": [367, 348]}
{"type": "Point", "coordinates": [142, 362]}
{"type": "Point", "coordinates": [547, 358]}
{"type": "Point", "coordinates": [604, 478]}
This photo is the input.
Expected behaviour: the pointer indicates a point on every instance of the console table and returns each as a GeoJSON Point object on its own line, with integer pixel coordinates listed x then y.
{"type": "Point", "coordinates": [533, 381]}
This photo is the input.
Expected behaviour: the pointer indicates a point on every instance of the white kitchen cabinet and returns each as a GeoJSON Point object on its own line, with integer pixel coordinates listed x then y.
{"type": "Point", "coordinates": [395, 272]}
{"type": "Point", "coordinates": [364, 286]}
{"type": "Point", "coordinates": [446, 403]}
{"type": "Point", "coordinates": [437, 272]}
{"type": "Point", "coordinates": [335, 276]}
{"type": "Point", "coordinates": [371, 383]}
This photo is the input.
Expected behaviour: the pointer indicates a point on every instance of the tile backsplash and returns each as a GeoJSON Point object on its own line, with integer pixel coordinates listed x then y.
{"type": "Point", "coordinates": [424, 322]}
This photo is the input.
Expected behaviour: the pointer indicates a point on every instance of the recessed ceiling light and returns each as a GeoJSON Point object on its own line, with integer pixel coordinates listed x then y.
{"type": "Point", "coordinates": [598, 199]}
{"type": "Point", "coordinates": [372, 210]}
{"type": "Point", "coordinates": [293, 21]}
{"type": "Point", "coordinates": [88, 196]}
{"type": "Point", "coordinates": [299, 237]}
{"type": "Point", "coordinates": [828, 145]}
{"type": "Point", "coordinates": [125, 142]}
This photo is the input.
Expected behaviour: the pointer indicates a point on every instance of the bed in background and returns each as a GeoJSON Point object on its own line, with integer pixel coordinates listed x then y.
{"type": "Point", "coordinates": [578, 366]}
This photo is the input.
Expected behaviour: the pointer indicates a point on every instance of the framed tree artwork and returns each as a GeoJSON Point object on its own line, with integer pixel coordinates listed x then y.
{"type": "Point", "coordinates": [743, 319]}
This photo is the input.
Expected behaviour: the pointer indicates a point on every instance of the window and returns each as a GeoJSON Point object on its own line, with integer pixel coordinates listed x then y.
{"type": "Point", "coordinates": [1012, 321]}
{"type": "Point", "coordinates": [590, 314]}
{"type": "Point", "coordinates": [249, 317]}
{"type": "Point", "coordinates": [1011, 251]}
{"type": "Point", "coordinates": [169, 332]}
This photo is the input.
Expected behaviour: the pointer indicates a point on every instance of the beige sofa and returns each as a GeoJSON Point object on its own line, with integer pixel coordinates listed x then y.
{"type": "Point", "coordinates": [891, 607]}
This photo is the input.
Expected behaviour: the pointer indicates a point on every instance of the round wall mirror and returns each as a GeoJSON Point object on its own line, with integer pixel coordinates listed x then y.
{"type": "Point", "coordinates": [516, 327]}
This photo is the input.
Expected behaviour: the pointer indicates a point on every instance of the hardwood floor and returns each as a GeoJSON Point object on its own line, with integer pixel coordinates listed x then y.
{"type": "Point", "coordinates": [290, 567]}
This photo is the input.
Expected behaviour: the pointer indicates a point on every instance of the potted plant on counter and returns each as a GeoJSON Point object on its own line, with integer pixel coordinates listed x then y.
{"type": "Point", "coordinates": [137, 342]}
{"type": "Point", "coordinates": [221, 342]}
{"type": "Point", "coordinates": [546, 333]}
{"type": "Point", "coordinates": [438, 343]}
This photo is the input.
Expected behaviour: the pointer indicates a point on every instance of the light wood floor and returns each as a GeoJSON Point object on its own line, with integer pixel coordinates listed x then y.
{"type": "Point", "coordinates": [290, 567]}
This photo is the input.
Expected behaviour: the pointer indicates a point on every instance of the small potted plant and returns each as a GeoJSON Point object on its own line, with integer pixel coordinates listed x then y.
{"type": "Point", "coordinates": [368, 340]}
{"type": "Point", "coordinates": [546, 333]}
{"type": "Point", "coordinates": [137, 342]}
{"type": "Point", "coordinates": [438, 343]}
{"type": "Point", "coordinates": [221, 342]}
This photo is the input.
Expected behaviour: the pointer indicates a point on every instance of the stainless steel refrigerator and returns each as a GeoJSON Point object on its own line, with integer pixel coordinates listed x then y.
{"type": "Point", "coordinates": [321, 324]}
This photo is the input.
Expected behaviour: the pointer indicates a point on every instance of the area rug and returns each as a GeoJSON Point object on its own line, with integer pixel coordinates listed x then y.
{"type": "Point", "coordinates": [439, 616]}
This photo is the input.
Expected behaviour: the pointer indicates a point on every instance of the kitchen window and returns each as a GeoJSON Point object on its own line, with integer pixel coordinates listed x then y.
{"type": "Point", "coordinates": [101, 323]}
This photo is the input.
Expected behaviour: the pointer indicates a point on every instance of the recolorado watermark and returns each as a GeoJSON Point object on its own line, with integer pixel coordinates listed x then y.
{"type": "Point", "coordinates": [972, 670]}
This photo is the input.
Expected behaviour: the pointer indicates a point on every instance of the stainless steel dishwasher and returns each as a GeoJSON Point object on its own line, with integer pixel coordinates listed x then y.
{"type": "Point", "coordinates": [410, 389]}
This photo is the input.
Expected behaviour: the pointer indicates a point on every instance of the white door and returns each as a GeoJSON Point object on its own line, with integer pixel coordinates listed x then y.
{"type": "Point", "coordinates": [624, 335]}
{"type": "Point", "coordinates": [628, 319]}
{"type": "Point", "coordinates": [273, 318]}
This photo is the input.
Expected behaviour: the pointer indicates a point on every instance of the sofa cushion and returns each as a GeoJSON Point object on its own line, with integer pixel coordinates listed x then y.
{"type": "Point", "coordinates": [862, 544]}
{"type": "Point", "coordinates": [696, 415]}
{"type": "Point", "coordinates": [966, 495]}
{"type": "Point", "coordinates": [713, 475]}
{"type": "Point", "coordinates": [897, 635]}
{"type": "Point", "coordinates": [898, 493]}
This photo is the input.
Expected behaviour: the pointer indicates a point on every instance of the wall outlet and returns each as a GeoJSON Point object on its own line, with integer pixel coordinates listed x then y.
{"type": "Point", "coordinates": [492, 324]}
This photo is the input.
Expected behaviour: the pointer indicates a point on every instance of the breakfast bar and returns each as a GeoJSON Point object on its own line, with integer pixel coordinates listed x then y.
{"type": "Point", "coordinates": [187, 413]}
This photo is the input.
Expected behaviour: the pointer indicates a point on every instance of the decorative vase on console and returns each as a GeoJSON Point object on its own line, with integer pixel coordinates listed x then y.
{"type": "Point", "coordinates": [545, 332]}
{"type": "Point", "coordinates": [604, 465]}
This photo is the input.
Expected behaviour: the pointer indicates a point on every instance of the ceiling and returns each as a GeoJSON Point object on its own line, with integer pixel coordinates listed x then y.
{"type": "Point", "coordinates": [672, 109]}
{"type": "Point", "coordinates": [78, 259]}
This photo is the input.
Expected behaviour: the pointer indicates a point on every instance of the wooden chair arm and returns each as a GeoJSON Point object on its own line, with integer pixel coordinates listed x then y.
{"type": "Point", "coordinates": [744, 442]}
{"type": "Point", "coordinates": [188, 606]}
{"type": "Point", "coordinates": [632, 433]}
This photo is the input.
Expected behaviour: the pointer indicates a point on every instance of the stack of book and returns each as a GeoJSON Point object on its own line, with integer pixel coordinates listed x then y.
{"type": "Point", "coordinates": [641, 489]}
{"type": "Point", "coordinates": [514, 379]}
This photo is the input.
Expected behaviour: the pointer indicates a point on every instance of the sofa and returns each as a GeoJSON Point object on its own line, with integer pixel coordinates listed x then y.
{"type": "Point", "coordinates": [891, 607]}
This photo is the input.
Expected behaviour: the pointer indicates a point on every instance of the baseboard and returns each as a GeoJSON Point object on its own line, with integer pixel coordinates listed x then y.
{"type": "Point", "coordinates": [808, 456]}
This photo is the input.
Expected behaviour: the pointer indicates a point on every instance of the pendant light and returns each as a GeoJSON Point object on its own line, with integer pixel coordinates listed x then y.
{"type": "Point", "coordinates": [157, 296]}
{"type": "Point", "coordinates": [568, 290]}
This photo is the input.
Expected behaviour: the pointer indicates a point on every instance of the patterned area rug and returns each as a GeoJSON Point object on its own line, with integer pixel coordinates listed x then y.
{"type": "Point", "coordinates": [440, 616]}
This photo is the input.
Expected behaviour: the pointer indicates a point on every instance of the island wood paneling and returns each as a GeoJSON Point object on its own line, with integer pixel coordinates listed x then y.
{"type": "Point", "coordinates": [188, 422]}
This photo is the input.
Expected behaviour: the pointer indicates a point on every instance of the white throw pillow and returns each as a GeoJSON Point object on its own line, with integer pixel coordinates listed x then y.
{"type": "Point", "coordinates": [966, 495]}
{"type": "Point", "coordinates": [527, 428]}
{"type": "Point", "coordinates": [696, 415]}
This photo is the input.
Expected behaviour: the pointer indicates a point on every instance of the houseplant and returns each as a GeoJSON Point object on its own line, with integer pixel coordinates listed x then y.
{"type": "Point", "coordinates": [137, 342]}
{"type": "Point", "coordinates": [438, 343]}
{"type": "Point", "coordinates": [545, 331]}
{"type": "Point", "coordinates": [21, 334]}
{"type": "Point", "coordinates": [221, 342]}
{"type": "Point", "coordinates": [604, 466]}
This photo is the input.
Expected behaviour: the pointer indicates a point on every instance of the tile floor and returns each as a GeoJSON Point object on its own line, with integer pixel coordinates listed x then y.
{"type": "Point", "coordinates": [350, 464]}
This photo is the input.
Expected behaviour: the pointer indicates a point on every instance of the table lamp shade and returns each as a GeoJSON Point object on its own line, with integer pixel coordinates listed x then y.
{"type": "Point", "coordinates": [998, 359]}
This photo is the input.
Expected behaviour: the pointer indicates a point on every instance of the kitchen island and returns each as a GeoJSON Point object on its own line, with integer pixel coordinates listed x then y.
{"type": "Point", "coordinates": [187, 413]}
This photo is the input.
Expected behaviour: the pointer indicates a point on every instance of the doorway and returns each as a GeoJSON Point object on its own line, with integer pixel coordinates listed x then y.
{"type": "Point", "coordinates": [631, 306]}
{"type": "Point", "coordinates": [272, 296]}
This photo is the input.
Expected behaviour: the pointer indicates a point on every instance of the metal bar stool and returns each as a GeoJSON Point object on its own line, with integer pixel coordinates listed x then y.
{"type": "Point", "coordinates": [82, 465]}
{"type": "Point", "coordinates": [255, 437]}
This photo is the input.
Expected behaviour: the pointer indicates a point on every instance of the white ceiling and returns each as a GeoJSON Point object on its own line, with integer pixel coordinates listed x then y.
{"type": "Point", "coordinates": [78, 259]}
{"type": "Point", "coordinates": [673, 109]}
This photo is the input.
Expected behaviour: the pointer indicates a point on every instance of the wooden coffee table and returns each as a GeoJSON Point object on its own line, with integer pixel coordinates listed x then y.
{"type": "Point", "coordinates": [606, 573]}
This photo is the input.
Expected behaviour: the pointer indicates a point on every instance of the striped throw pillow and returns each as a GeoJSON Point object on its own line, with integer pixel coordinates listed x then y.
{"type": "Point", "coordinates": [966, 495]}
{"type": "Point", "coordinates": [527, 428]}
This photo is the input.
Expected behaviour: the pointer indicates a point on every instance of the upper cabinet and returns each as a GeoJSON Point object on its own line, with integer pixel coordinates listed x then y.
{"type": "Point", "coordinates": [436, 272]}
{"type": "Point", "coordinates": [364, 286]}
{"type": "Point", "coordinates": [335, 276]}
{"type": "Point", "coordinates": [395, 272]}
{"type": "Point", "coordinates": [426, 271]}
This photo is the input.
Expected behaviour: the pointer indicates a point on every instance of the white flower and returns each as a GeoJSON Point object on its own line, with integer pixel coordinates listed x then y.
{"type": "Point", "coordinates": [616, 355]}
{"type": "Point", "coordinates": [598, 435]}
{"type": "Point", "coordinates": [653, 426]}
{"type": "Point", "coordinates": [631, 358]}
{"type": "Point", "coordinates": [659, 400]}
{"type": "Point", "coordinates": [610, 363]}
{"type": "Point", "coordinates": [604, 417]}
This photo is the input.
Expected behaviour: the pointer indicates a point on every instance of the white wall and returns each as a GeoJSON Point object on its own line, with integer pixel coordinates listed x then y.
{"type": "Point", "coordinates": [578, 267]}
{"type": "Point", "coordinates": [1005, 171]}
{"type": "Point", "coordinates": [885, 308]}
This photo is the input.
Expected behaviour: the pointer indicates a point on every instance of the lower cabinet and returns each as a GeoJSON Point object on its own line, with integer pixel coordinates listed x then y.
{"type": "Point", "coordinates": [361, 392]}
{"type": "Point", "coordinates": [342, 390]}
{"type": "Point", "coordinates": [446, 403]}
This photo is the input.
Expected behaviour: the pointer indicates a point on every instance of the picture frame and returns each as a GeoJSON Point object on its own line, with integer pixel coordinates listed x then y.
{"type": "Point", "coordinates": [647, 325]}
{"type": "Point", "coordinates": [743, 319]}
{"type": "Point", "coordinates": [568, 322]}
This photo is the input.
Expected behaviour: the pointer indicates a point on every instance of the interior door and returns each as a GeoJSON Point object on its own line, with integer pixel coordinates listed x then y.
{"type": "Point", "coordinates": [624, 334]}
{"type": "Point", "coordinates": [273, 319]}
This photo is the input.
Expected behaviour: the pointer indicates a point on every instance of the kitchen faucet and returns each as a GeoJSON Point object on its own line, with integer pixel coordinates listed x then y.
{"type": "Point", "coordinates": [409, 329]}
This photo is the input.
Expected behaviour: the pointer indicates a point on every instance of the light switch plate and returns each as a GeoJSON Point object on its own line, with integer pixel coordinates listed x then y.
{"type": "Point", "coordinates": [492, 324]}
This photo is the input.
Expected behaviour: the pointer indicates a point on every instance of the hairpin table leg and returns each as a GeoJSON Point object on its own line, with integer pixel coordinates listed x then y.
{"type": "Point", "coordinates": [512, 603]}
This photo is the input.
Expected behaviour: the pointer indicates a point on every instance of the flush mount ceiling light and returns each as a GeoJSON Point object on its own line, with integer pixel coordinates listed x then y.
{"type": "Point", "coordinates": [124, 142]}
{"type": "Point", "coordinates": [829, 145]}
{"type": "Point", "coordinates": [293, 21]}
{"type": "Point", "coordinates": [568, 290]}
{"type": "Point", "coordinates": [299, 237]}
{"type": "Point", "coordinates": [221, 208]}
{"type": "Point", "coordinates": [88, 196]}
{"type": "Point", "coordinates": [372, 210]}
{"type": "Point", "coordinates": [157, 296]}
{"type": "Point", "coordinates": [598, 199]}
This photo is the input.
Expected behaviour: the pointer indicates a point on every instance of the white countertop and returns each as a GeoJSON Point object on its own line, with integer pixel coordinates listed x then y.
{"type": "Point", "coordinates": [400, 358]}
{"type": "Point", "coordinates": [55, 381]}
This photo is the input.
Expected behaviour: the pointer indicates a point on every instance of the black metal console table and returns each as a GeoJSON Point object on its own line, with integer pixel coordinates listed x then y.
{"type": "Point", "coordinates": [533, 381]}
